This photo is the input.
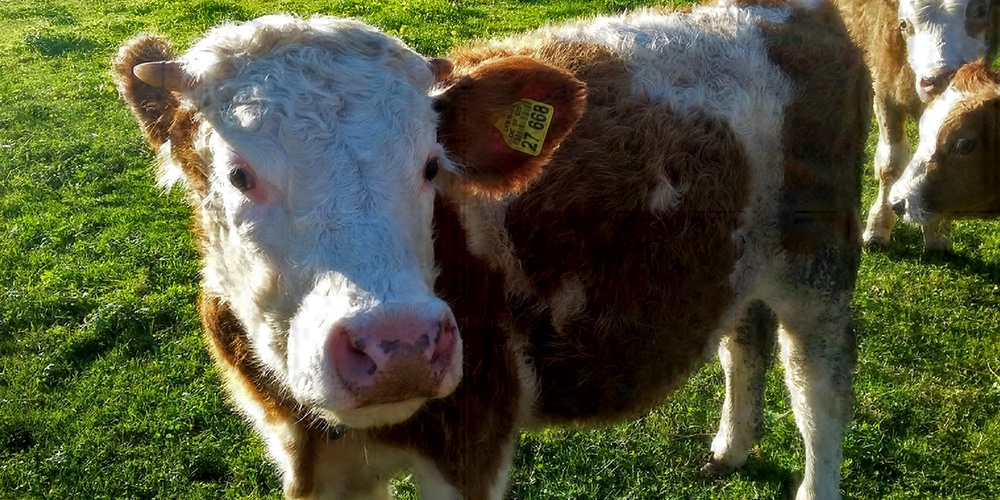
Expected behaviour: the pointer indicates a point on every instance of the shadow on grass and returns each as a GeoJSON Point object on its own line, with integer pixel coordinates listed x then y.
{"type": "Point", "coordinates": [213, 12]}
{"type": "Point", "coordinates": [767, 472]}
{"type": "Point", "coordinates": [908, 245]}
{"type": "Point", "coordinates": [110, 328]}
{"type": "Point", "coordinates": [54, 45]}
{"type": "Point", "coordinates": [15, 438]}
{"type": "Point", "coordinates": [971, 264]}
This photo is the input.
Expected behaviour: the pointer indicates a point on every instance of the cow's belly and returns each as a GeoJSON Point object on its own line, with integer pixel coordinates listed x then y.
{"type": "Point", "coordinates": [633, 302]}
{"type": "Point", "coordinates": [609, 365]}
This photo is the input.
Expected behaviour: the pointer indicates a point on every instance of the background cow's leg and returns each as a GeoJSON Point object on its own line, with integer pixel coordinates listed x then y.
{"type": "Point", "coordinates": [937, 235]}
{"type": "Point", "coordinates": [892, 153]}
{"type": "Point", "coordinates": [819, 354]}
{"type": "Point", "coordinates": [745, 354]}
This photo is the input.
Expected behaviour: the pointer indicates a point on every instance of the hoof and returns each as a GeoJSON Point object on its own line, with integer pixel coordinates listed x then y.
{"type": "Point", "coordinates": [875, 242]}
{"type": "Point", "coordinates": [714, 469]}
{"type": "Point", "coordinates": [939, 249]}
{"type": "Point", "coordinates": [938, 246]}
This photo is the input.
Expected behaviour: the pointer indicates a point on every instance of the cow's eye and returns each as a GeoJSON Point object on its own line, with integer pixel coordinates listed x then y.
{"type": "Point", "coordinates": [241, 179]}
{"type": "Point", "coordinates": [906, 27]}
{"type": "Point", "coordinates": [964, 146]}
{"type": "Point", "coordinates": [431, 169]}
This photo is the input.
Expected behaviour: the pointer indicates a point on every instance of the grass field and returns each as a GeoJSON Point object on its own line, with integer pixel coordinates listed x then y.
{"type": "Point", "coordinates": [107, 392]}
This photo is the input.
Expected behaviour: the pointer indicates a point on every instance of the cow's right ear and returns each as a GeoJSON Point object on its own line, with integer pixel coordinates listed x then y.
{"type": "Point", "coordinates": [501, 123]}
{"type": "Point", "coordinates": [154, 107]}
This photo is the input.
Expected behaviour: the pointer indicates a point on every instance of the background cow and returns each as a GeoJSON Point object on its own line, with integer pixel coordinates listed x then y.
{"type": "Point", "coordinates": [955, 172]}
{"type": "Point", "coordinates": [616, 207]}
{"type": "Point", "coordinates": [912, 47]}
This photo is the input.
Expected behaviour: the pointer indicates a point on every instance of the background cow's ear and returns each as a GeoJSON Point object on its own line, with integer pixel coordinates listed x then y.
{"type": "Point", "coordinates": [153, 108]}
{"type": "Point", "coordinates": [502, 122]}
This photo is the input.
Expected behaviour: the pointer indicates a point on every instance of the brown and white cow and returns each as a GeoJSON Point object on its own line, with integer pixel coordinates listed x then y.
{"type": "Point", "coordinates": [912, 48]}
{"type": "Point", "coordinates": [616, 199]}
{"type": "Point", "coordinates": [955, 172]}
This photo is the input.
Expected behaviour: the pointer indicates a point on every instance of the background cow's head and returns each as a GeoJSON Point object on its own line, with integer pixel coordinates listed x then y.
{"type": "Point", "coordinates": [955, 171]}
{"type": "Point", "coordinates": [942, 35]}
{"type": "Point", "coordinates": [309, 150]}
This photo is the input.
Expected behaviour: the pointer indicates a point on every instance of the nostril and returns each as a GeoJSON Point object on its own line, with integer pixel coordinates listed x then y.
{"type": "Point", "coordinates": [444, 348]}
{"type": "Point", "coordinates": [929, 85]}
{"type": "Point", "coordinates": [899, 208]}
{"type": "Point", "coordinates": [935, 83]}
{"type": "Point", "coordinates": [351, 360]}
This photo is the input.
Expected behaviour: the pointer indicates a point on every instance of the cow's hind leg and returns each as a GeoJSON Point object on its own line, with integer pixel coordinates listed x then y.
{"type": "Point", "coordinates": [745, 355]}
{"type": "Point", "coordinates": [937, 235]}
{"type": "Point", "coordinates": [819, 354]}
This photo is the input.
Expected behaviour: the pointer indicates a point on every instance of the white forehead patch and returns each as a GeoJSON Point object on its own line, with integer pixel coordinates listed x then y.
{"type": "Point", "coordinates": [937, 39]}
{"type": "Point", "coordinates": [934, 118]}
{"type": "Point", "coordinates": [907, 188]}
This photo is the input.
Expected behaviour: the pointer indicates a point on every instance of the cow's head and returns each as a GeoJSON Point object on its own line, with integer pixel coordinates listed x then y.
{"type": "Point", "coordinates": [310, 152]}
{"type": "Point", "coordinates": [955, 171]}
{"type": "Point", "coordinates": [942, 35]}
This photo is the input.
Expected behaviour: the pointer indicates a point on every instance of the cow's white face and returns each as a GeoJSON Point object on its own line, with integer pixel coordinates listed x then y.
{"type": "Point", "coordinates": [318, 139]}
{"type": "Point", "coordinates": [308, 148]}
{"type": "Point", "coordinates": [942, 35]}
{"type": "Point", "coordinates": [954, 173]}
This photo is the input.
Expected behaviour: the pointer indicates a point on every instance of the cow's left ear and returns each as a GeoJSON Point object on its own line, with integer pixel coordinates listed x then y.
{"type": "Point", "coordinates": [501, 123]}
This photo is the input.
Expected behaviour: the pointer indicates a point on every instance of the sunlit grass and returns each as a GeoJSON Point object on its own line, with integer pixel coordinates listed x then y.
{"type": "Point", "coordinates": [107, 392]}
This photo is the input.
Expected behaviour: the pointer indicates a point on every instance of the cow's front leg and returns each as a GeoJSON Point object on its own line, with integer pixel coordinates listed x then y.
{"type": "Point", "coordinates": [745, 355]}
{"type": "Point", "coordinates": [353, 467]}
{"type": "Point", "coordinates": [316, 465]}
{"type": "Point", "coordinates": [467, 445]}
{"type": "Point", "coordinates": [892, 153]}
{"type": "Point", "coordinates": [466, 481]}
{"type": "Point", "coordinates": [819, 354]}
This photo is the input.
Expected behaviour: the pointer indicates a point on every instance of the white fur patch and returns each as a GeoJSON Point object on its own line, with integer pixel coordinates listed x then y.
{"type": "Point", "coordinates": [907, 188]}
{"type": "Point", "coordinates": [334, 120]}
{"type": "Point", "coordinates": [937, 39]}
{"type": "Point", "coordinates": [673, 58]}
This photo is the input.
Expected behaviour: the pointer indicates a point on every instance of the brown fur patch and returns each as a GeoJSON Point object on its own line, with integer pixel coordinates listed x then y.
{"type": "Point", "coordinates": [975, 78]}
{"type": "Point", "coordinates": [873, 25]}
{"type": "Point", "coordinates": [823, 149]}
{"type": "Point", "coordinates": [637, 338]}
{"type": "Point", "coordinates": [153, 108]}
{"type": "Point", "coordinates": [159, 111]}
{"type": "Point", "coordinates": [231, 350]}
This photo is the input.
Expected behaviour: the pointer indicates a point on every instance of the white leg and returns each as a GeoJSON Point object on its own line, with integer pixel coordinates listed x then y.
{"type": "Point", "coordinates": [937, 235]}
{"type": "Point", "coordinates": [745, 355]}
{"type": "Point", "coordinates": [819, 354]}
{"type": "Point", "coordinates": [892, 153]}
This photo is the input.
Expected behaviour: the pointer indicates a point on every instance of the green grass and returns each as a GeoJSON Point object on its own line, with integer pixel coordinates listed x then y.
{"type": "Point", "coordinates": [107, 392]}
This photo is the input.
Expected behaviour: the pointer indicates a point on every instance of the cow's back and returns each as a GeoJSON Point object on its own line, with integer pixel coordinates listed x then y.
{"type": "Point", "coordinates": [637, 245]}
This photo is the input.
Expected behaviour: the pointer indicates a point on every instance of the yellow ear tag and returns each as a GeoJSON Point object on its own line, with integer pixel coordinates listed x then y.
{"type": "Point", "coordinates": [524, 125]}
